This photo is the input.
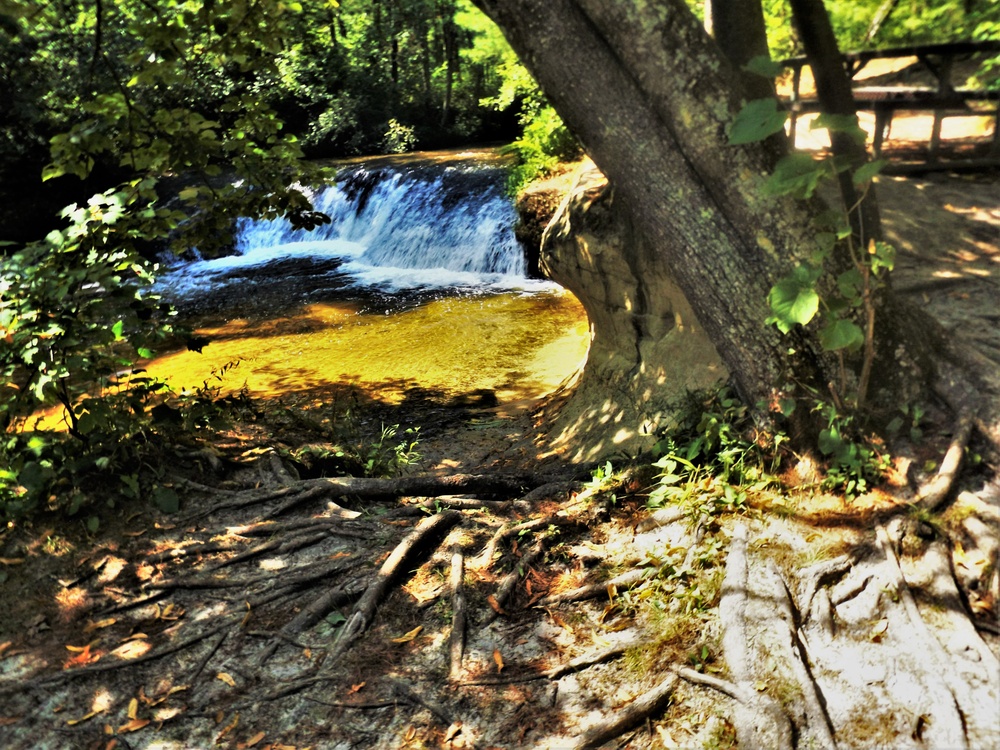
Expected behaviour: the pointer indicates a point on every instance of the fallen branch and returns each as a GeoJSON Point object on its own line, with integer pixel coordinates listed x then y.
{"type": "Point", "coordinates": [364, 610]}
{"type": "Point", "coordinates": [628, 717]}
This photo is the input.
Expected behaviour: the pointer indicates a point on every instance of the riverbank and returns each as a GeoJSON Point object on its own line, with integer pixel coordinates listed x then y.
{"type": "Point", "coordinates": [225, 623]}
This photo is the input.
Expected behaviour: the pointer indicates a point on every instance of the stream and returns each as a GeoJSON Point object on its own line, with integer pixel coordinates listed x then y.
{"type": "Point", "coordinates": [417, 284]}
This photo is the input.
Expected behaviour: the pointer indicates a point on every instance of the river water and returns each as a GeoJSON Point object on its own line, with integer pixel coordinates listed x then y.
{"type": "Point", "coordinates": [417, 284]}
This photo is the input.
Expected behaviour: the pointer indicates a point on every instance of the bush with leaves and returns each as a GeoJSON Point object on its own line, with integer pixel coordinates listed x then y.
{"type": "Point", "coordinates": [713, 456]}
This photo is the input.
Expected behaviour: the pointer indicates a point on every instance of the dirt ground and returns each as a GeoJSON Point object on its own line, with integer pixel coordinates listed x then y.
{"type": "Point", "coordinates": [279, 609]}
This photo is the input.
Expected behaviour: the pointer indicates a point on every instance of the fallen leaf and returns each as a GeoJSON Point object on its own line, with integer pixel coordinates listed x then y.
{"type": "Point", "coordinates": [407, 637]}
{"type": "Point", "coordinates": [112, 744]}
{"type": "Point", "coordinates": [91, 715]}
{"type": "Point", "coordinates": [252, 741]}
{"type": "Point", "coordinates": [219, 716]}
{"type": "Point", "coordinates": [228, 728]}
{"type": "Point", "coordinates": [11, 560]}
{"type": "Point", "coordinates": [498, 658]}
{"type": "Point", "coordinates": [307, 653]}
{"type": "Point", "coordinates": [226, 678]}
{"type": "Point", "coordinates": [878, 630]}
{"type": "Point", "coordinates": [356, 688]}
{"type": "Point", "coordinates": [133, 708]}
{"type": "Point", "coordinates": [6, 721]}
{"type": "Point", "coordinates": [136, 637]}
{"type": "Point", "coordinates": [246, 617]}
{"type": "Point", "coordinates": [453, 730]}
{"type": "Point", "coordinates": [5, 645]}
{"type": "Point", "coordinates": [134, 533]}
{"type": "Point", "coordinates": [411, 732]}
{"type": "Point", "coordinates": [133, 726]}
{"type": "Point", "coordinates": [91, 626]}
{"type": "Point", "coordinates": [495, 605]}
{"type": "Point", "coordinates": [82, 658]}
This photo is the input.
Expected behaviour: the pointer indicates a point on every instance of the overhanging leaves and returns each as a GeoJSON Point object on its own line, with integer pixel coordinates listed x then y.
{"type": "Point", "coordinates": [794, 300]}
{"type": "Point", "coordinates": [756, 121]}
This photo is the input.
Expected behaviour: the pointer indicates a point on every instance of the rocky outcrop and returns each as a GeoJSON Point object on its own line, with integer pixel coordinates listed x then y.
{"type": "Point", "coordinates": [647, 347]}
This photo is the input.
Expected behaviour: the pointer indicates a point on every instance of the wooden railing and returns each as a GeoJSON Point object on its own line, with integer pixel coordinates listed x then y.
{"type": "Point", "coordinates": [943, 98]}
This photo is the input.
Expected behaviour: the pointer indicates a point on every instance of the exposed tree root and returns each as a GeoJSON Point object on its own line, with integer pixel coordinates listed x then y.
{"type": "Point", "coordinates": [628, 717]}
{"type": "Point", "coordinates": [936, 491]}
{"type": "Point", "coordinates": [948, 719]}
{"type": "Point", "coordinates": [418, 486]}
{"type": "Point", "coordinates": [365, 608]}
{"type": "Point", "coordinates": [456, 641]}
{"type": "Point", "coordinates": [312, 614]}
{"type": "Point", "coordinates": [759, 720]}
{"type": "Point", "coordinates": [593, 590]}
{"type": "Point", "coordinates": [510, 581]}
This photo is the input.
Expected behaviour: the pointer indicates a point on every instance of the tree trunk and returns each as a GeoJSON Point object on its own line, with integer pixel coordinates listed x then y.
{"type": "Point", "coordinates": [738, 28]}
{"type": "Point", "coordinates": [650, 96]}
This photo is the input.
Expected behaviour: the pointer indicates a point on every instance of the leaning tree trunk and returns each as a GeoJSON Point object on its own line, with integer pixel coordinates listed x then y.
{"type": "Point", "coordinates": [650, 96]}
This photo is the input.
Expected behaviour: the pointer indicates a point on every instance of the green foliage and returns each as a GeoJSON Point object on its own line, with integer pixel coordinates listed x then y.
{"type": "Point", "coordinates": [387, 455]}
{"type": "Point", "coordinates": [713, 456]}
{"type": "Point", "coordinates": [853, 462]}
{"type": "Point", "coordinates": [399, 138]}
{"type": "Point", "coordinates": [390, 453]}
{"type": "Point", "coordinates": [544, 142]}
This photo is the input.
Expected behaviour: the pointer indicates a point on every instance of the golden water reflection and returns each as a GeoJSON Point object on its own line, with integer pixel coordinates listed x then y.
{"type": "Point", "coordinates": [516, 345]}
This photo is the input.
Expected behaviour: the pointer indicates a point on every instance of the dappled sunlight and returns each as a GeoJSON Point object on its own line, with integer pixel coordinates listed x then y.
{"type": "Point", "coordinates": [517, 346]}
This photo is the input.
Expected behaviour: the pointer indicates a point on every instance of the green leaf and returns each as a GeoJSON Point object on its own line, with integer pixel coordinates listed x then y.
{"type": "Point", "coordinates": [830, 442]}
{"type": "Point", "coordinates": [786, 406]}
{"type": "Point", "coordinates": [756, 121]}
{"type": "Point", "coordinates": [166, 499]}
{"type": "Point", "coordinates": [93, 524]}
{"type": "Point", "coordinates": [117, 329]}
{"type": "Point", "coordinates": [846, 124]}
{"type": "Point", "coordinates": [841, 334]}
{"type": "Point", "coordinates": [866, 171]}
{"type": "Point", "coordinates": [850, 283]}
{"type": "Point", "coordinates": [796, 175]}
{"type": "Point", "coordinates": [763, 65]}
{"type": "Point", "coordinates": [794, 300]}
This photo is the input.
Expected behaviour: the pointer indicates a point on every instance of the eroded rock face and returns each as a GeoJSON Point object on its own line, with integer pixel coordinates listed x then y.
{"type": "Point", "coordinates": [647, 347]}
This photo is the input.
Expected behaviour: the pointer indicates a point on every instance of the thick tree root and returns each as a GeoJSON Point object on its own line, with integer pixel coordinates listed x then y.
{"type": "Point", "coordinates": [364, 610]}
{"type": "Point", "coordinates": [759, 720]}
{"type": "Point", "coordinates": [456, 641]}
{"type": "Point", "coordinates": [626, 580]}
{"type": "Point", "coordinates": [628, 717]}
{"type": "Point", "coordinates": [936, 491]}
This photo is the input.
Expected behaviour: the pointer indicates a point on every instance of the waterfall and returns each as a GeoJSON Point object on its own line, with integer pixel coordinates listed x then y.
{"type": "Point", "coordinates": [415, 225]}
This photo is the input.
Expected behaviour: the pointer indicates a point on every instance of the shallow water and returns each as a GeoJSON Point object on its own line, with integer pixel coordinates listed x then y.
{"type": "Point", "coordinates": [517, 346]}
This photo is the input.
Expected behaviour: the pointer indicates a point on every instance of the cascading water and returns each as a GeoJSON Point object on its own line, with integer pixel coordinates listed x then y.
{"type": "Point", "coordinates": [428, 226]}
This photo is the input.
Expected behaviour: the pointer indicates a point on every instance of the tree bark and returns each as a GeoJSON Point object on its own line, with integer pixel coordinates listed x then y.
{"type": "Point", "coordinates": [650, 97]}
{"type": "Point", "coordinates": [738, 28]}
